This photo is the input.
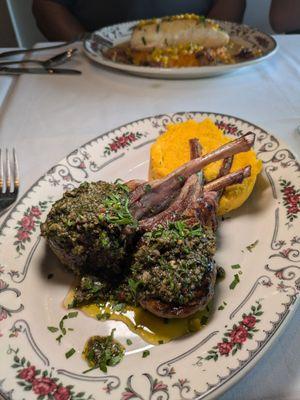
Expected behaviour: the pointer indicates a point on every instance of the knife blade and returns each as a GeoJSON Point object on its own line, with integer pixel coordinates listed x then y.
{"type": "Point", "coordinates": [43, 71]}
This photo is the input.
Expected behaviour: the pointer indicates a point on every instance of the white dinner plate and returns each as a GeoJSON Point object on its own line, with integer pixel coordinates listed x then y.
{"type": "Point", "coordinates": [120, 33]}
{"type": "Point", "coordinates": [244, 322]}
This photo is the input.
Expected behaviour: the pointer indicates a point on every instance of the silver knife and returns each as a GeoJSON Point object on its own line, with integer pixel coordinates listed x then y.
{"type": "Point", "coordinates": [44, 71]}
{"type": "Point", "coordinates": [35, 49]}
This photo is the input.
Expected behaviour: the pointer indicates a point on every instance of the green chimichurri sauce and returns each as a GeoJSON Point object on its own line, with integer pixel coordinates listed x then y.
{"type": "Point", "coordinates": [102, 352]}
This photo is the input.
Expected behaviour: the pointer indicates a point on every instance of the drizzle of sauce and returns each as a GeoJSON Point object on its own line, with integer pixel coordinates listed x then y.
{"type": "Point", "coordinates": [149, 327]}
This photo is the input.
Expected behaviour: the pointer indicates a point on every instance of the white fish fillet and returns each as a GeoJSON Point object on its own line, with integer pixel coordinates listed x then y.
{"type": "Point", "coordinates": [166, 33]}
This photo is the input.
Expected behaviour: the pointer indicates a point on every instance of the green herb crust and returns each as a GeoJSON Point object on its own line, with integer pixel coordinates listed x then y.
{"type": "Point", "coordinates": [171, 262]}
{"type": "Point", "coordinates": [170, 265]}
{"type": "Point", "coordinates": [91, 229]}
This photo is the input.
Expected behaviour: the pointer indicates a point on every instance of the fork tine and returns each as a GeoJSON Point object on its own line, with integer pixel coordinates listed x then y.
{"type": "Point", "coordinates": [16, 171]}
{"type": "Point", "coordinates": [1, 172]}
{"type": "Point", "coordinates": [8, 174]}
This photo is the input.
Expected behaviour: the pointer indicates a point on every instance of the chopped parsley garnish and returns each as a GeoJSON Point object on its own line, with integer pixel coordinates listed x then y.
{"type": "Point", "coordinates": [103, 351]}
{"type": "Point", "coordinates": [222, 306]}
{"type": "Point", "coordinates": [61, 327]}
{"type": "Point", "coordinates": [103, 316]}
{"type": "Point", "coordinates": [252, 245]}
{"type": "Point", "coordinates": [70, 352]}
{"type": "Point", "coordinates": [119, 307]}
{"type": "Point", "coordinates": [52, 329]}
{"type": "Point", "coordinates": [147, 188]}
{"type": "Point", "coordinates": [236, 266]}
{"type": "Point", "coordinates": [72, 314]}
{"type": "Point", "coordinates": [146, 353]}
{"type": "Point", "coordinates": [129, 342]}
{"type": "Point", "coordinates": [133, 285]}
{"type": "Point", "coordinates": [235, 281]}
{"type": "Point", "coordinates": [144, 40]}
{"type": "Point", "coordinates": [59, 338]}
{"type": "Point", "coordinates": [117, 209]}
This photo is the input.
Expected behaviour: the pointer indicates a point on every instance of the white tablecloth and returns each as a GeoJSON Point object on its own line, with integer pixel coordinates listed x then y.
{"type": "Point", "coordinates": [46, 117]}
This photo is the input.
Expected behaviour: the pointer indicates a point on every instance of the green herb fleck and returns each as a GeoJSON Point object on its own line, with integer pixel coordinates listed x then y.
{"type": "Point", "coordinates": [252, 245]}
{"type": "Point", "coordinates": [59, 338]}
{"type": "Point", "coordinates": [147, 188]}
{"type": "Point", "coordinates": [222, 306]}
{"type": "Point", "coordinates": [52, 329]}
{"type": "Point", "coordinates": [235, 281]}
{"type": "Point", "coordinates": [129, 342]}
{"type": "Point", "coordinates": [119, 307]}
{"type": "Point", "coordinates": [70, 352]}
{"type": "Point", "coordinates": [146, 353]}
{"type": "Point", "coordinates": [133, 285]}
{"type": "Point", "coordinates": [160, 342]}
{"type": "Point", "coordinates": [103, 316]}
{"type": "Point", "coordinates": [236, 266]}
{"type": "Point", "coordinates": [73, 314]}
{"type": "Point", "coordinates": [144, 40]}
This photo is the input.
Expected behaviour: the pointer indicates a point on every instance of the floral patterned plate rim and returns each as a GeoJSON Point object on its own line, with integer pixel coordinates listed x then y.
{"type": "Point", "coordinates": [251, 305]}
{"type": "Point", "coordinates": [121, 32]}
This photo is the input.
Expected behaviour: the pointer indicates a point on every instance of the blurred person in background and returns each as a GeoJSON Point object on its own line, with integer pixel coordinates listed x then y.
{"type": "Point", "coordinates": [285, 16]}
{"type": "Point", "coordinates": [68, 19]}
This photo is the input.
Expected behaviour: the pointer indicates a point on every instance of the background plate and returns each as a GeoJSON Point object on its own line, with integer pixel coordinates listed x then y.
{"type": "Point", "coordinates": [121, 32]}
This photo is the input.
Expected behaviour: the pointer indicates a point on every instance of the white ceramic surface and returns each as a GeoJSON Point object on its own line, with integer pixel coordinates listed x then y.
{"type": "Point", "coordinates": [119, 33]}
{"type": "Point", "coordinates": [199, 366]}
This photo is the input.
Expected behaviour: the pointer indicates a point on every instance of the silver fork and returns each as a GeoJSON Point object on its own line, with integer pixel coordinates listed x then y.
{"type": "Point", "coordinates": [9, 179]}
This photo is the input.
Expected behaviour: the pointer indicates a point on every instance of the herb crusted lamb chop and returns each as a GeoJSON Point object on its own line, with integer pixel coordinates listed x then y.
{"type": "Point", "coordinates": [174, 264]}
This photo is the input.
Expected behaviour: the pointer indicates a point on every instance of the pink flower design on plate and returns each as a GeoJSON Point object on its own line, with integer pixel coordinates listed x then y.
{"type": "Point", "coordinates": [122, 140]}
{"type": "Point", "coordinates": [22, 235]}
{"type": "Point", "coordinates": [61, 393]}
{"type": "Point", "coordinates": [224, 348]}
{"type": "Point", "coordinates": [27, 223]}
{"type": "Point", "coordinates": [3, 314]}
{"type": "Point", "coordinates": [3, 284]}
{"type": "Point", "coordinates": [127, 395]}
{"type": "Point", "coordinates": [28, 374]}
{"type": "Point", "coordinates": [160, 386]}
{"type": "Point", "coordinates": [35, 211]}
{"type": "Point", "coordinates": [239, 335]}
{"type": "Point", "coordinates": [114, 146]}
{"type": "Point", "coordinates": [249, 321]}
{"type": "Point", "coordinates": [43, 386]}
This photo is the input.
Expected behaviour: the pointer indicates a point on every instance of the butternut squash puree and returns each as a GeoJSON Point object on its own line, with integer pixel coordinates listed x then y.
{"type": "Point", "coordinates": [171, 150]}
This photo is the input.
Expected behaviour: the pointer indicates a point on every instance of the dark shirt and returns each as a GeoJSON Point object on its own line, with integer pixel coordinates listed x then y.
{"type": "Point", "coordinates": [94, 14]}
